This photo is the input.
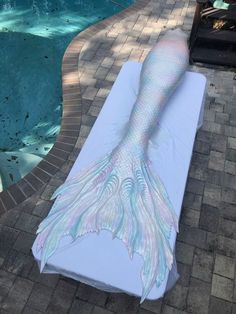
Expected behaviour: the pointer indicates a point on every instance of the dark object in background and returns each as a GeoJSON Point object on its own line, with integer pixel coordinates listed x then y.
{"type": "Point", "coordinates": [213, 34]}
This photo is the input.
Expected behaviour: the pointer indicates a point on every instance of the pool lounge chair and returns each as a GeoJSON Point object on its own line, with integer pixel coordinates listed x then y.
{"type": "Point", "coordinates": [99, 260]}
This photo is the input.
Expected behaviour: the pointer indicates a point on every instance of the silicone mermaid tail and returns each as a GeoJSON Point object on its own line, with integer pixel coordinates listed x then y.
{"type": "Point", "coordinates": [120, 193]}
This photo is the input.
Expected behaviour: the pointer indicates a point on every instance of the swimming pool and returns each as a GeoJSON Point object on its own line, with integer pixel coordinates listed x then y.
{"type": "Point", "coordinates": [33, 37]}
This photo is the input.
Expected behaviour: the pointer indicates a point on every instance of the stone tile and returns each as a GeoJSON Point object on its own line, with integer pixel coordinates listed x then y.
{"type": "Point", "coordinates": [201, 147]}
{"type": "Point", "coordinates": [6, 279]}
{"type": "Point", "coordinates": [152, 306]}
{"type": "Point", "coordinates": [94, 111]}
{"type": "Point", "coordinates": [107, 62]}
{"type": "Point", "coordinates": [184, 252]}
{"type": "Point", "coordinates": [227, 228]}
{"type": "Point", "coordinates": [24, 242]}
{"type": "Point", "coordinates": [88, 120]}
{"type": "Point", "coordinates": [9, 218]}
{"type": "Point", "coordinates": [228, 211]}
{"type": "Point", "coordinates": [219, 306]}
{"type": "Point", "coordinates": [92, 295]}
{"type": "Point", "coordinates": [205, 136]}
{"type": "Point", "coordinates": [29, 310]}
{"type": "Point", "coordinates": [1, 261]}
{"type": "Point", "coordinates": [66, 286]}
{"type": "Point", "coordinates": [3, 293]}
{"type": "Point", "coordinates": [18, 263]}
{"type": "Point", "coordinates": [224, 266]}
{"type": "Point", "coordinates": [3, 312]}
{"type": "Point", "coordinates": [209, 219]}
{"type": "Point", "coordinates": [232, 142]}
{"type": "Point", "coordinates": [228, 180]}
{"type": "Point", "coordinates": [229, 196]}
{"type": "Point", "coordinates": [27, 223]}
{"type": "Point", "coordinates": [103, 84]}
{"type": "Point", "coordinates": [8, 237]}
{"type": "Point", "coordinates": [111, 76]}
{"type": "Point", "coordinates": [84, 131]}
{"type": "Point", "coordinates": [6, 282]}
{"type": "Point", "coordinates": [200, 160]}
{"type": "Point", "coordinates": [230, 167]}
{"type": "Point", "coordinates": [122, 303]}
{"type": "Point", "coordinates": [192, 201]}
{"type": "Point", "coordinates": [212, 127]}
{"type": "Point", "coordinates": [90, 93]}
{"type": "Point", "coordinates": [42, 208]}
{"type": "Point", "coordinates": [222, 288]}
{"type": "Point", "coordinates": [192, 236]}
{"type": "Point", "coordinates": [73, 156]}
{"type": "Point", "coordinates": [231, 155]}
{"type": "Point", "coordinates": [18, 295]}
{"type": "Point", "coordinates": [211, 242]}
{"type": "Point", "coordinates": [40, 297]}
{"type": "Point", "coordinates": [80, 142]}
{"type": "Point", "coordinates": [202, 265]}
{"type": "Point", "coordinates": [62, 298]}
{"type": "Point", "coordinates": [100, 310]}
{"type": "Point", "coordinates": [216, 161]}
{"type": "Point", "coordinates": [177, 296]}
{"type": "Point", "coordinates": [48, 192]}
{"type": "Point", "coordinates": [140, 311]}
{"type": "Point", "coordinates": [234, 308]}
{"type": "Point", "coordinates": [86, 104]}
{"type": "Point", "coordinates": [215, 177]}
{"type": "Point", "coordinates": [212, 194]}
{"type": "Point", "coordinates": [233, 115]}
{"type": "Point", "coordinates": [221, 118]}
{"type": "Point", "coordinates": [184, 274]}
{"type": "Point", "coordinates": [171, 310]}
{"type": "Point", "coordinates": [88, 55]}
{"type": "Point", "coordinates": [198, 297]}
{"type": "Point", "coordinates": [101, 73]}
{"type": "Point", "coordinates": [49, 280]}
{"type": "Point", "coordinates": [209, 115]}
{"type": "Point", "coordinates": [195, 186]}
{"type": "Point", "coordinates": [190, 217]}
{"type": "Point", "coordinates": [234, 293]}
{"type": "Point", "coordinates": [197, 172]}
{"type": "Point", "coordinates": [226, 246]}
{"type": "Point", "coordinates": [80, 307]}
{"type": "Point", "coordinates": [103, 92]}
{"type": "Point", "coordinates": [219, 143]}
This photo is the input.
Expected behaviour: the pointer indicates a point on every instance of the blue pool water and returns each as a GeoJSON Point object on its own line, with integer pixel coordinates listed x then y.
{"type": "Point", "coordinates": [33, 37]}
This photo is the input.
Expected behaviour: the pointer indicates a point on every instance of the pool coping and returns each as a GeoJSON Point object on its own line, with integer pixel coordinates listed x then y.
{"type": "Point", "coordinates": [71, 116]}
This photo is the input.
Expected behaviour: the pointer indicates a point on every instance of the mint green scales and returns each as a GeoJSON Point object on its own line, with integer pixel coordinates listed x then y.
{"type": "Point", "coordinates": [120, 193]}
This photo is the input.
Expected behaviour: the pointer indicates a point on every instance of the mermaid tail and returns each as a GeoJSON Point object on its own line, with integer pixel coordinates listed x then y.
{"type": "Point", "coordinates": [120, 195]}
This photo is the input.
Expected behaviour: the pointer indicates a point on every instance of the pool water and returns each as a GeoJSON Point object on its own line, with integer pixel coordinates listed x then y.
{"type": "Point", "coordinates": [33, 37]}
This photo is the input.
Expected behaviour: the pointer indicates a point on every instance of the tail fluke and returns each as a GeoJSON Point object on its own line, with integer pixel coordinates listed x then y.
{"type": "Point", "coordinates": [124, 198]}
{"type": "Point", "coordinates": [132, 204]}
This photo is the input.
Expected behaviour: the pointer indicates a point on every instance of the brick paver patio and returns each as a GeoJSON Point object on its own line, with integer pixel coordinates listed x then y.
{"type": "Point", "coordinates": [206, 245]}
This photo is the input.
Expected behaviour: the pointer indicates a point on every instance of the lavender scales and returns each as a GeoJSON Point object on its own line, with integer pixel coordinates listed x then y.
{"type": "Point", "coordinates": [120, 193]}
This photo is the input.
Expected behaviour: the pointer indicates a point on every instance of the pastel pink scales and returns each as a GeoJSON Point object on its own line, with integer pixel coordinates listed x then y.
{"type": "Point", "coordinates": [120, 193]}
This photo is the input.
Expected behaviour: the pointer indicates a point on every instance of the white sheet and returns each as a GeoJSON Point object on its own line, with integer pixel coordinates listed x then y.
{"type": "Point", "coordinates": [97, 259]}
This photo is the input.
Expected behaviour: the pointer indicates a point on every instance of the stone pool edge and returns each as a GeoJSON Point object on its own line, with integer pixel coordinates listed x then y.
{"type": "Point", "coordinates": [71, 117]}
